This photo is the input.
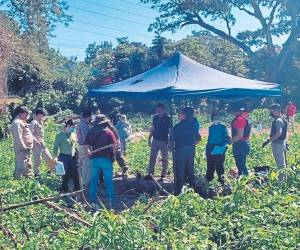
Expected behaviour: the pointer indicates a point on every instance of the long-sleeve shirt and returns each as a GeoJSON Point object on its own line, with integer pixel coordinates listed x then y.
{"type": "Point", "coordinates": [82, 130]}
{"type": "Point", "coordinates": [64, 144]}
{"type": "Point", "coordinates": [22, 137]}
{"type": "Point", "coordinates": [100, 137]}
{"type": "Point", "coordinates": [218, 135]}
{"type": "Point", "coordinates": [37, 130]}
{"type": "Point", "coordinates": [124, 129]}
{"type": "Point", "coordinates": [186, 133]}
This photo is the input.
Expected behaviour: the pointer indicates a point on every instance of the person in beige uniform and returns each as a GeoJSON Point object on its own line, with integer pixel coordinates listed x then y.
{"type": "Point", "coordinates": [40, 150]}
{"type": "Point", "coordinates": [82, 129]}
{"type": "Point", "coordinates": [23, 143]}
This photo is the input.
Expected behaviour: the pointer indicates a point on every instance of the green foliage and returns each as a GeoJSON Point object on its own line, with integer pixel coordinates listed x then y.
{"type": "Point", "coordinates": [4, 124]}
{"type": "Point", "coordinates": [128, 59]}
{"type": "Point", "coordinates": [275, 18]}
{"type": "Point", "coordinates": [253, 217]}
{"type": "Point", "coordinates": [37, 18]}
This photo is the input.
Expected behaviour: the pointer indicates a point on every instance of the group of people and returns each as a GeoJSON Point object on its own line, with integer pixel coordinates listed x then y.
{"type": "Point", "coordinates": [88, 148]}
{"type": "Point", "coordinates": [76, 146]}
{"type": "Point", "coordinates": [185, 135]}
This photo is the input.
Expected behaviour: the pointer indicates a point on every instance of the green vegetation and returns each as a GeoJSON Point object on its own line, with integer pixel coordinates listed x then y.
{"type": "Point", "coordinates": [274, 18]}
{"type": "Point", "coordinates": [41, 76]}
{"type": "Point", "coordinates": [254, 216]}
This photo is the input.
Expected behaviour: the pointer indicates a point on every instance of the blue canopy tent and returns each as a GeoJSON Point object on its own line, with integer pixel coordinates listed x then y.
{"type": "Point", "coordinates": [179, 77]}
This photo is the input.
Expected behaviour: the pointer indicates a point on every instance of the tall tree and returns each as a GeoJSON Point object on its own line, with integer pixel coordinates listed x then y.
{"type": "Point", "coordinates": [38, 18]}
{"type": "Point", "coordinates": [276, 18]}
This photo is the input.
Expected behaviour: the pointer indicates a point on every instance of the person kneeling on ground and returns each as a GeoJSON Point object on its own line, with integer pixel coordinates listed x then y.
{"type": "Point", "coordinates": [216, 148]}
{"type": "Point", "coordinates": [185, 137]}
{"type": "Point", "coordinates": [278, 138]}
{"type": "Point", "coordinates": [65, 149]}
{"type": "Point", "coordinates": [102, 160]}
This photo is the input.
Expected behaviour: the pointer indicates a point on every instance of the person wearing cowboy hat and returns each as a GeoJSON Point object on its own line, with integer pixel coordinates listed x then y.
{"type": "Point", "coordinates": [23, 143]}
{"type": "Point", "coordinates": [98, 137]}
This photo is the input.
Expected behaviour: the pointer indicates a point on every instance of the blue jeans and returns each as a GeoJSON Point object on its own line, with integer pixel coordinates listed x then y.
{"type": "Point", "coordinates": [240, 151]}
{"type": "Point", "coordinates": [106, 166]}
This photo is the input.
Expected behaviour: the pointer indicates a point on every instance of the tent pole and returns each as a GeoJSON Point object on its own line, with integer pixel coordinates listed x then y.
{"type": "Point", "coordinates": [172, 111]}
{"type": "Point", "coordinates": [172, 138]}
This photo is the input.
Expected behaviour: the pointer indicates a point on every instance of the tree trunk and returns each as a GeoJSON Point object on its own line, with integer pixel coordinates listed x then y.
{"type": "Point", "coordinates": [3, 81]}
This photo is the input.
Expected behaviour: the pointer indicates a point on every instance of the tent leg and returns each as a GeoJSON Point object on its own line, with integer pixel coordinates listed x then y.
{"type": "Point", "coordinates": [172, 140]}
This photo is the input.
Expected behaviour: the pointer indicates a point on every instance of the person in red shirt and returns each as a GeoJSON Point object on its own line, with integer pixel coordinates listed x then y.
{"type": "Point", "coordinates": [291, 114]}
{"type": "Point", "coordinates": [240, 130]}
{"type": "Point", "coordinates": [98, 137]}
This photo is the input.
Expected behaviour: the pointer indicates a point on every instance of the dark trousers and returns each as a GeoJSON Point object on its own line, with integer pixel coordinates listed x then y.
{"type": "Point", "coordinates": [120, 159]}
{"type": "Point", "coordinates": [71, 172]}
{"type": "Point", "coordinates": [240, 151]}
{"type": "Point", "coordinates": [184, 167]}
{"type": "Point", "coordinates": [215, 163]}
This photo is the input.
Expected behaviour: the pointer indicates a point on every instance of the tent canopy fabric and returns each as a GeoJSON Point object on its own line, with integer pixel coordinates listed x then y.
{"type": "Point", "coordinates": [180, 76]}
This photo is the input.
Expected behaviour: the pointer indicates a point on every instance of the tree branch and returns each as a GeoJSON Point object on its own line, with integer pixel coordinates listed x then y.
{"type": "Point", "coordinates": [227, 25]}
{"type": "Point", "coordinates": [71, 215]}
{"type": "Point", "coordinates": [220, 33]}
{"type": "Point", "coordinates": [290, 45]}
{"type": "Point", "coordinates": [272, 15]}
{"type": "Point", "coordinates": [41, 200]}
{"type": "Point", "coordinates": [243, 9]}
{"type": "Point", "coordinates": [266, 27]}
{"type": "Point", "coordinates": [16, 6]}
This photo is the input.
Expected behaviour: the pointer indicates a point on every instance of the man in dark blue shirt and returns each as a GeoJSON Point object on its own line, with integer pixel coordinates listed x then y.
{"type": "Point", "coordinates": [158, 140]}
{"type": "Point", "coordinates": [185, 137]}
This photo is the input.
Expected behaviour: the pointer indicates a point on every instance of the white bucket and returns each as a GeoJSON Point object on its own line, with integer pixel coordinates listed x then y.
{"type": "Point", "coordinates": [59, 168]}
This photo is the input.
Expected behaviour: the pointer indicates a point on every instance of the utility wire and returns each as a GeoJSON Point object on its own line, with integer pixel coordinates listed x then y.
{"type": "Point", "coordinates": [137, 4]}
{"type": "Point", "coordinates": [113, 17]}
{"type": "Point", "coordinates": [80, 43]}
{"type": "Point", "coordinates": [110, 28]}
{"type": "Point", "coordinates": [117, 9]}
{"type": "Point", "coordinates": [88, 31]}
{"type": "Point", "coordinates": [65, 46]}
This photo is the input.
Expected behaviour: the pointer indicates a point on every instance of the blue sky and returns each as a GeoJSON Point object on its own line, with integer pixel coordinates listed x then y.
{"type": "Point", "coordinates": [106, 20]}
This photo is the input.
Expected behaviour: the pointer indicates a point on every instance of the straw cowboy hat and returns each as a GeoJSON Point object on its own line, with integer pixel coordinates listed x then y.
{"type": "Point", "coordinates": [101, 119]}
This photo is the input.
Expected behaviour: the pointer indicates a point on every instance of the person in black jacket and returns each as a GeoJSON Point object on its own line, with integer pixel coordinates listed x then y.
{"type": "Point", "coordinates": [185, 137]}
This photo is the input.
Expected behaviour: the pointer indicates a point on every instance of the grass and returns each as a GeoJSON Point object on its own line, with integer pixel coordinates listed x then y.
{"type": "Point", "coordinates": [254, 217]}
